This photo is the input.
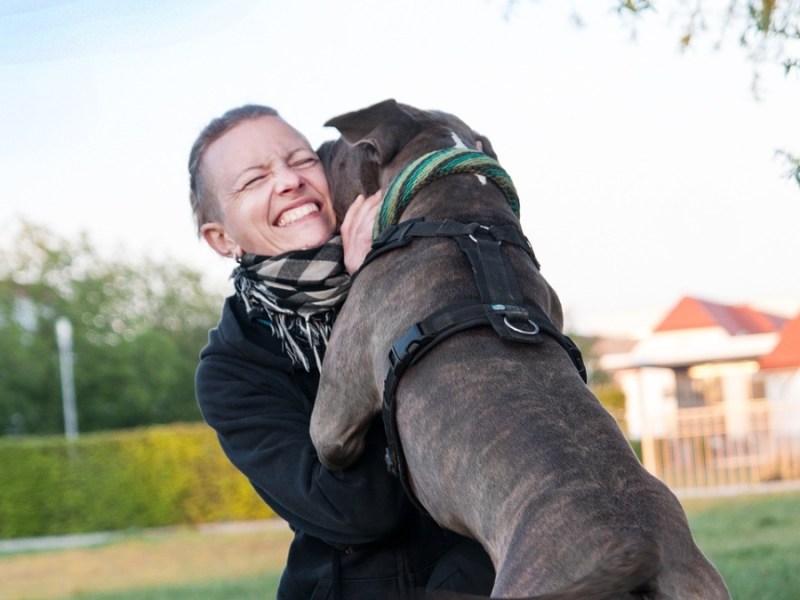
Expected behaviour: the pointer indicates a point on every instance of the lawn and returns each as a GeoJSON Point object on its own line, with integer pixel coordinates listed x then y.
{"type": "Point", "coordinates": [170, 564]}
{"type": "Point", "coordinates": [753, 540]}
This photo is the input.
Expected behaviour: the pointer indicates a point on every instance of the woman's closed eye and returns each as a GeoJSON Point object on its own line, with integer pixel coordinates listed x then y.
{"type": "Point", "coordinates": [253, 181]}
{"type": "Point", "coordinates": [302, 161]}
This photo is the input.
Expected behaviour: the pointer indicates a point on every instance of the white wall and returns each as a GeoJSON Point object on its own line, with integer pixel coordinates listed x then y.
{"type": "Point", "coordinates": [650, 403]}
{"type": "Point", "coordinates": [782, 389]}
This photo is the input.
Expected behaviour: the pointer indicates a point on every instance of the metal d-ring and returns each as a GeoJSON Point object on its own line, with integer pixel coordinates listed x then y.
{"type": "Point", "coordinates": [522, 331]}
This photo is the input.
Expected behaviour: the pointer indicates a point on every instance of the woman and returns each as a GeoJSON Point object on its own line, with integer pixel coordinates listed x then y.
{"type": "Point", "coordinates": [259, 195]}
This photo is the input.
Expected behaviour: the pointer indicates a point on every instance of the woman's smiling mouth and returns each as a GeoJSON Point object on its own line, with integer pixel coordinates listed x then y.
{"type": "Point", "coordinates": [293, 214]}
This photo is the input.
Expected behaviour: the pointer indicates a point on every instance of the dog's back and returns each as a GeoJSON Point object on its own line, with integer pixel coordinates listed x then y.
{"type": "Point", "coordinates": [503, 441]}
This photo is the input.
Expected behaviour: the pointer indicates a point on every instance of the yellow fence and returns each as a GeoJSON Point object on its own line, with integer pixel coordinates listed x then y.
{"type": "Point", "coordinates": [721, 446]}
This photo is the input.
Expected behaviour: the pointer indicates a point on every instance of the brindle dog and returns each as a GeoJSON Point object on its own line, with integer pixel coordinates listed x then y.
{"type": "Point", "coordinates": [503, 441]}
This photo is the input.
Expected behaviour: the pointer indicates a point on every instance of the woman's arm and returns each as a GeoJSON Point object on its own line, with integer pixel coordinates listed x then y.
{"type": "Point", "coordinates": [264, 431]}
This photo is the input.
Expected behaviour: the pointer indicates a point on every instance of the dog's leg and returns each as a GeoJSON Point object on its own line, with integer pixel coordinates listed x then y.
{"type": "Point", "coordinates": [348, 398]}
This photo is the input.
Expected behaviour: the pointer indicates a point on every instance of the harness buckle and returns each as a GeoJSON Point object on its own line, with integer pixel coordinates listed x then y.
{"type": "Point", "coordinates": [406, 346]}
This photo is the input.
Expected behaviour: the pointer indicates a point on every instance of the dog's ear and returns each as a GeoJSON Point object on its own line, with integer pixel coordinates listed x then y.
{"type": "Point", "coordinates": [381, 130]}
{"type": "Point", "coordinates": [486, 146]}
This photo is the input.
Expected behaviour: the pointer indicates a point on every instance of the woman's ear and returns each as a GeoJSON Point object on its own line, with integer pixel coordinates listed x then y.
{"type": "Point", "coordinates": [217, 238]}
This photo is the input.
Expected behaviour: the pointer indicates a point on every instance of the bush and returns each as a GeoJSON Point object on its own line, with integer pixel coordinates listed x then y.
{"type": "Point", "coordinates": [613, 399]}
{"type": "Point", "coordinates": [148, 477]}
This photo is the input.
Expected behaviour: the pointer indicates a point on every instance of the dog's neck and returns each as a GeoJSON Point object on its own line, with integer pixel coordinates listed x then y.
{"type": "Point", "coordinates": [436, 165]}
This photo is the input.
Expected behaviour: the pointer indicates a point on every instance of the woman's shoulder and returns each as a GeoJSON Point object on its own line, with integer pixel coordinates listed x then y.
{"type": "Point", "coordinates": [237, 336]}
{"type": "Point", "coordinates": [241, 364]}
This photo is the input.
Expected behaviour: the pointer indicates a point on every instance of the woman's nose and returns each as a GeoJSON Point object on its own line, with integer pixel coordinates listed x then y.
{"type": "Point", "coordinates": [287, 179]}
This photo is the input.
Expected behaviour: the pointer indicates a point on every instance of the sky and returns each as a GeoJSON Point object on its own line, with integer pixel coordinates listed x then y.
{"type": "Point", "coordinates": [645, 173]}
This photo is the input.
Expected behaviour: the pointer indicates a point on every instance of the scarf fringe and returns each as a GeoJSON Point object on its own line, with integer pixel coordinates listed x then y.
{"type": "Point", "coordinates": [297, 295]}
{"type": "Point", "coordinates": [313, 334]}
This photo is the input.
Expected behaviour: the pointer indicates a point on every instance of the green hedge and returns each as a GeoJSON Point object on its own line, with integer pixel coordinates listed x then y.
{"type": "Point", "coordinates": [148, 477]}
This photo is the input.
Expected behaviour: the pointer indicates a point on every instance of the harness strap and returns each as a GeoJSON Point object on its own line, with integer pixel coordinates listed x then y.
{"type": "Point", "coordinates": [422, 337]}
{"type": "Point", "coordinates": [501, 306]}
{"type": "Point", "coordinates": [402, 234]}
{"type": "Point", "coordinates": [496, 283]}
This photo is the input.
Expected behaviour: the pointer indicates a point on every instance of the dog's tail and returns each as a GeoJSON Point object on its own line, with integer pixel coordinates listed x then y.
{"type": "Point", "coordinates": [626, 571]}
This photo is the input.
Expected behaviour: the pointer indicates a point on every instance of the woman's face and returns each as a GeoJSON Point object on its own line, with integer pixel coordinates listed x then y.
{"type": "Point", "coordinates": [271, 188]}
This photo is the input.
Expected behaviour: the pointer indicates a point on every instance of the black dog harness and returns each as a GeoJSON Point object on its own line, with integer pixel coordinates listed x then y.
{"type": "Point", "coordinates": [501, 306]}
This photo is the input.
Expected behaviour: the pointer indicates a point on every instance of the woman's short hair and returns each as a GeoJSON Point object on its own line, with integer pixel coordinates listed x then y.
{"type": "Point", "coordinates": [205, 207]}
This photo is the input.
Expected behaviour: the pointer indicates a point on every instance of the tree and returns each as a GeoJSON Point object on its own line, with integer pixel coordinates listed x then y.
{"type": "Point", "coordinates": [767, 30]}
{"type": "Point", "coordinates": [138, 328]}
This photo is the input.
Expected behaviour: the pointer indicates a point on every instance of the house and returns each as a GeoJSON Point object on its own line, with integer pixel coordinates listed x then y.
{"type": "Point", "coordinates": [714, 387]}
{"type": "Point", "coordinates": [780, 373]}
{"type": "Point", "coordinates": [702, 353]}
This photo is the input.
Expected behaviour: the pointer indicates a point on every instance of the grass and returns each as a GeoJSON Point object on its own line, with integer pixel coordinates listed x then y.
{"type": "Point", "coordinates": [247, 588]}
{"type": "Point", "coordinates": [754, 541]}
{"type": "Point", "coordinates": [165, 565]}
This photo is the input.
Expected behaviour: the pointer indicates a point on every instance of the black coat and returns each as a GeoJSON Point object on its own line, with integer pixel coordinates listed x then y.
{"type": "Point", "coordinates": [356, 532]}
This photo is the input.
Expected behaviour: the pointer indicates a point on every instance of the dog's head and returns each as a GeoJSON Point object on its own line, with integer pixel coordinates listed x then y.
{"type": "Point", "coordinates": [378, 141]}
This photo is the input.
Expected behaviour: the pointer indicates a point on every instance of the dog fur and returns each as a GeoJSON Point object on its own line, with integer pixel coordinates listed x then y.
{"type": "Point", "coordinates": [503, 441]}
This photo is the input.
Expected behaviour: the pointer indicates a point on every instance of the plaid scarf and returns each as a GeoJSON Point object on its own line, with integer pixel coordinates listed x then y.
{"type": "Point", "coordinates": [296, 294]}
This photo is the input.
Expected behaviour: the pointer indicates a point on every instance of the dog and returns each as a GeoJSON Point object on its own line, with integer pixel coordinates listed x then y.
{"type": "Point", "coordinates": [499, 437]}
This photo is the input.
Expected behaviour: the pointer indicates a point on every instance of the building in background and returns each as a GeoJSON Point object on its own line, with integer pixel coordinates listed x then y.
{"type": "Point", "coordinates": [713, 393]}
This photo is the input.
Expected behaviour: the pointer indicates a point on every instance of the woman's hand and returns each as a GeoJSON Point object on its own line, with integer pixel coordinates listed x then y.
{"type": "Point", "coordinates": [357, 227]}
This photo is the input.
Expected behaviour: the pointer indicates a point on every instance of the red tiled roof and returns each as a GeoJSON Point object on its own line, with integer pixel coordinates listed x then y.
{"type": "Point", "coordinates": [692, 313]}
{"type": "Point", "coordinates": [787, 353]}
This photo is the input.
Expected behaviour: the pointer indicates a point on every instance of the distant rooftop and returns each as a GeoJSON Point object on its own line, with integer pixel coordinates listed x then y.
{"type": "Point", "coordinates": [786, 354]}
{"type": "Point", "coordinates": [694, 313]}
{"type": "Point", "coordinates": [696, 331]}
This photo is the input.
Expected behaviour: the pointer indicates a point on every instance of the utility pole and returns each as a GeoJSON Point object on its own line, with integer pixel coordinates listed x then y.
{"type": "Point", "coordinates": [64, 340]}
